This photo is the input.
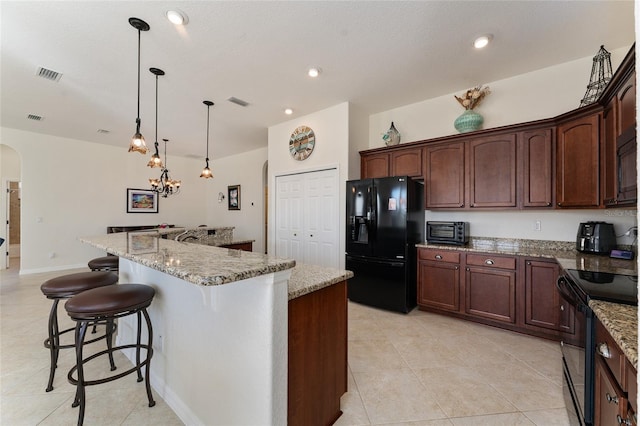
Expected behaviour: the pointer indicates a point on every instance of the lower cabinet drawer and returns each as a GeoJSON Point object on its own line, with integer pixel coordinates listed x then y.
{"type": "Point", "coordinates": [491, 261]}
{"type": "Point", "coordinates": [607, 349]}
{"type": "Point", "coordinates": [439, 255]}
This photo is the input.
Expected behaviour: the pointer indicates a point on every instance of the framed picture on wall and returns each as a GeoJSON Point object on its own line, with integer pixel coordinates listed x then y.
{"type": "Point", "coordinates": [142, 201]}
{"type": "Point", "coordinates": [234, 197]}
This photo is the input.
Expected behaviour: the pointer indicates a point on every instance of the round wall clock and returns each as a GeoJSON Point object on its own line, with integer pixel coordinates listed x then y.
{"type": "Point", "coordinates": [302, 142]}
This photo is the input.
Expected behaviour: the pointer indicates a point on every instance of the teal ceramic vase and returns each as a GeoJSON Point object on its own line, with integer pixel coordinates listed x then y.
{"type": "Point", "coordinates": [468, 121]}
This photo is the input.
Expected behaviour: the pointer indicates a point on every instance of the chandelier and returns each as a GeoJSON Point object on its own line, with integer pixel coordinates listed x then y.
{"type": "Point", "coordinates": [155, 158]}
{"type": "Point", "coordinates": [164, 185]}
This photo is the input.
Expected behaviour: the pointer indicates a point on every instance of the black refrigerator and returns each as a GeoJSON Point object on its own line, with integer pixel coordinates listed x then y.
{"type": "Point", "coordinates": [385, 220]}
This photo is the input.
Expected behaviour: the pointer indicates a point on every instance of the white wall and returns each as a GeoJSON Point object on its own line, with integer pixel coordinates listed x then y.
{"type": "Point", "coordinates": [72, 188]}
{"type": "Point", "coordinates": [245, 170]}
{"type": "Point", "coordinates": [536, 95]}
{"type": "Point", "coordinates": [331, 128]}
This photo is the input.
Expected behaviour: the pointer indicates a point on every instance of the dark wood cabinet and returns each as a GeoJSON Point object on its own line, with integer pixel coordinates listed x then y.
{"type": "Point", "coordinates": [444, 180]}
{"type": "Point", "coordinates": [538, 149]}
{"type": "Point", "coordinates": [492, 171]}
{"type": "Point", "coordinates": [439, 279]}
{"type": "Point", "coordinates": [578, 162]}
{"type": "Point", "coordinates": [407, 162]}
{"type": "Point", "coordinates": [545, 309]}
{"type": "Point", "coordinates": [397, 162]}
{"type": "Point", "coordinates": [317, 354]}
{"type": "Point", "coordinates": [374, 165]}
{"type": "Point", "coordinates": [610, 401]}
{"type": "Point", "coordinates": [248, 246]}
{"type": "Point", "coordinates": [615, 382]}
{"type": "Point", "coordinates": [619, 166]}
{"type": "Point", "coordinates": [490, 289]}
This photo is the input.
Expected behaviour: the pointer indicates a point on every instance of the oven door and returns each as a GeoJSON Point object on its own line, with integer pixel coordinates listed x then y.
{"type": "Point", "coordinates": [577, 359]}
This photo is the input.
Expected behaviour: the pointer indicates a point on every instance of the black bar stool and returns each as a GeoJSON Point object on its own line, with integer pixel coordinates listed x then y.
{"type": "Point", "coordinates": [107, 304]}
{"type": "Point", "coordinates": [104, 263]}
{"type": "Point", "coordinates": [64, 287]}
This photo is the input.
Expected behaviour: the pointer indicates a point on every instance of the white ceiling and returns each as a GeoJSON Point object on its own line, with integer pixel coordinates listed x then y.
{"type": "Point", "coordinates": [378, 55]}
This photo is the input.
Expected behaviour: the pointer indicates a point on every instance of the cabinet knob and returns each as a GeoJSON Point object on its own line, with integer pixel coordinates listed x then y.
{"type": "Point", "coordinates": [438, 257]}
{"type": "Point", "coordinates": [472, 205]}
{"type": "Point", "coordinates": [311, 235]}
{"type": "Point", "coordinates": [603, 350]}
{"type": "Point", "coordinates": [559, 204]}
{"type": "Point", "coordinates": [489, 262]}
{"type": "Point", "coordinates": [548, 204]}
{"type": "Point", "coordinates": [456, 268]}
{"type": "Point", "coordinates": [528, 263]}
{"type": "Point", "coordinates": [295, 235]}
{"type": "Point", "coordinates": [462, 205]}
{"type": "Point", "coordinates": [467, 268]}
{"type": "Point", "coordinates": [611, 399]}
{"type": "Point", "coordinates": [562, 307]}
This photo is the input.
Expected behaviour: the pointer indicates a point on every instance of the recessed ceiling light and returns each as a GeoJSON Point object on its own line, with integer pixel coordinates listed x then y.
{"type": "Point", "coordinates": [288, 111]}
{"type": "Point", "coordinates": [177, 17]}
{"type": "Point", "coordinates": [314, 72]}
{"type": "Point", "coordinates": [482, 41]}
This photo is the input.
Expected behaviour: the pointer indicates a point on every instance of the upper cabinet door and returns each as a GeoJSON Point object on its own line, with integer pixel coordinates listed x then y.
{"type": "Point", "coordinates": [578, 167]}
{"type": "Point", "coordinates": [407, 162]}
{"type": "Point", "coordinates": [444, 176]}
{"type": "Point", "coordinates": [538, 153]}
{"type": "Point", "coordinates": [626, 98]}
{"type": "Point", "coordinates": [492, 171]}
{"type": "Point", "coordinates": [374, 166]}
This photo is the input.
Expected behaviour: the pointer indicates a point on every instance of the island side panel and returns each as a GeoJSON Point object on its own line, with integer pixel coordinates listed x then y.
{"type": "Point", "coordinates": [220, 354]}
{"type": "Point", "coordinates": [317, 355]}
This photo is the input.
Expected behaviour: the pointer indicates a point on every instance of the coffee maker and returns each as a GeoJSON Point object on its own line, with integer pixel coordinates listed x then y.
{"type": "Point", "coordinates": [596, 238]}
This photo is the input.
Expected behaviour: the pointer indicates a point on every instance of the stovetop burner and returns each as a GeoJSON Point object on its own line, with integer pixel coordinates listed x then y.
{"type": "Point", "coordinates": [606, 286]}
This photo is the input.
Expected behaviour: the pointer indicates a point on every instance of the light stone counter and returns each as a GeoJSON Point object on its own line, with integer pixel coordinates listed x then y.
{"type": "Point", "coordinates": [621, 321]}
{"type": "Point", "coordinates": [306, 279]}
{"type": "Point", "coordinates": [563, 252]}
{"type": "Point", "coordinates": [195, 263]}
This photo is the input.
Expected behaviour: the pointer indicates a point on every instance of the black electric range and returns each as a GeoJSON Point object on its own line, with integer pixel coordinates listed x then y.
{"type": "Point", "coordinates": [605, 286]}
{"type": "Point", "coordinates": [578, 351]}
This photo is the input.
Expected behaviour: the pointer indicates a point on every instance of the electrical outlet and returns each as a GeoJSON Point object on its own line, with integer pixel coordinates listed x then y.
{"type": "Point", "coordinates": [537, 226]}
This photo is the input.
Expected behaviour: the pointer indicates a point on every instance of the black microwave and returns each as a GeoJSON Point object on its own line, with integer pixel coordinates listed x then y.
{"type": "Point", "coordinates": [448, 233]}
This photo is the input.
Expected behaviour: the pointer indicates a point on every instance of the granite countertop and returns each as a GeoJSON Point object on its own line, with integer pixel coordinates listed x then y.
{"type": "Point", "coordinates": [563, 252]}
{"type": "Point", "coordinates": [621, 321]}
{"type": "Point", "coordinates": [309, 278]}
{"type": "Point", "coordinates": [195, 263]}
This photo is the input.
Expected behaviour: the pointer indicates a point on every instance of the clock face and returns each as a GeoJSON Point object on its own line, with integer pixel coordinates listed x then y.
{"type": "Point", "coordinates": [301, 143]}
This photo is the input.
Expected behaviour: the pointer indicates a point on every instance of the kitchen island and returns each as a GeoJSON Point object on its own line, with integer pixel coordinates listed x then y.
{"type": "Point", "coordinates": [221, 327]}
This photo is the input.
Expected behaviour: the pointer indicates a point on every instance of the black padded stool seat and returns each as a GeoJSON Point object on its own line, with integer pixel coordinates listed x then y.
{"type": "Point", "coordinates": [109, 303]}
{"type": "Point", "coordinates": [105, 263]}
{"type": "Point", "coordinates": [64, 287]}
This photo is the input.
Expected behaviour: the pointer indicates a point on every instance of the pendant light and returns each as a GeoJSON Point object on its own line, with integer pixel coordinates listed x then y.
{"type": "Point", "coordinates": [155, 158]}
{"type": "Point", "coordinates": [206, 172]}
{"type": "Point", "coordinates": [165, 186]}
{"type": "Point", "coordinates": [137, 141]}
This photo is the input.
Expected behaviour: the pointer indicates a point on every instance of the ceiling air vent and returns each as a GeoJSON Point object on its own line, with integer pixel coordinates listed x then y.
{"type": "Point", "coordinates": [35, 117]}
{"type": "Point", "coordinates": [49, 74]}
{"type": "Point", "coordinates": [238, 101]}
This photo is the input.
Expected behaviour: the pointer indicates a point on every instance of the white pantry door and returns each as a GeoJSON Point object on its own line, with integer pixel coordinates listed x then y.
{"type": "Point", "coordinates": [307, 225]}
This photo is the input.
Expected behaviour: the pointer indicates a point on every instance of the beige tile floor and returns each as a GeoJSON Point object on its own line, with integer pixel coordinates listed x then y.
{"type": "Point", "coordinates": [419, 369]}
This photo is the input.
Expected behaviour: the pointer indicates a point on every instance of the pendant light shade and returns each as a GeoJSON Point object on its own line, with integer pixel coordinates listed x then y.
{"type": "Point", "coordinates": [156, 161]}
{"type": "Point", "coordinates": [206, 172]}
{"type": "Point", "coordinates": [137, 141]}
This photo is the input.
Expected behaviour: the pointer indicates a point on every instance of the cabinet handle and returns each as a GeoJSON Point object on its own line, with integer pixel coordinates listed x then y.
{"type": "Point", "coordinates": [622, 421]}
{"type": "Point", "coordinates": [603, 350]}
{"type": "Point", "coordinates": [562, 307]}
{"type": "Point", "coordinates": [438, 257]}
{"type": "Point", "coordinates": [612, 399]}
{"type": "Point", "coordinates": [489, 262]}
